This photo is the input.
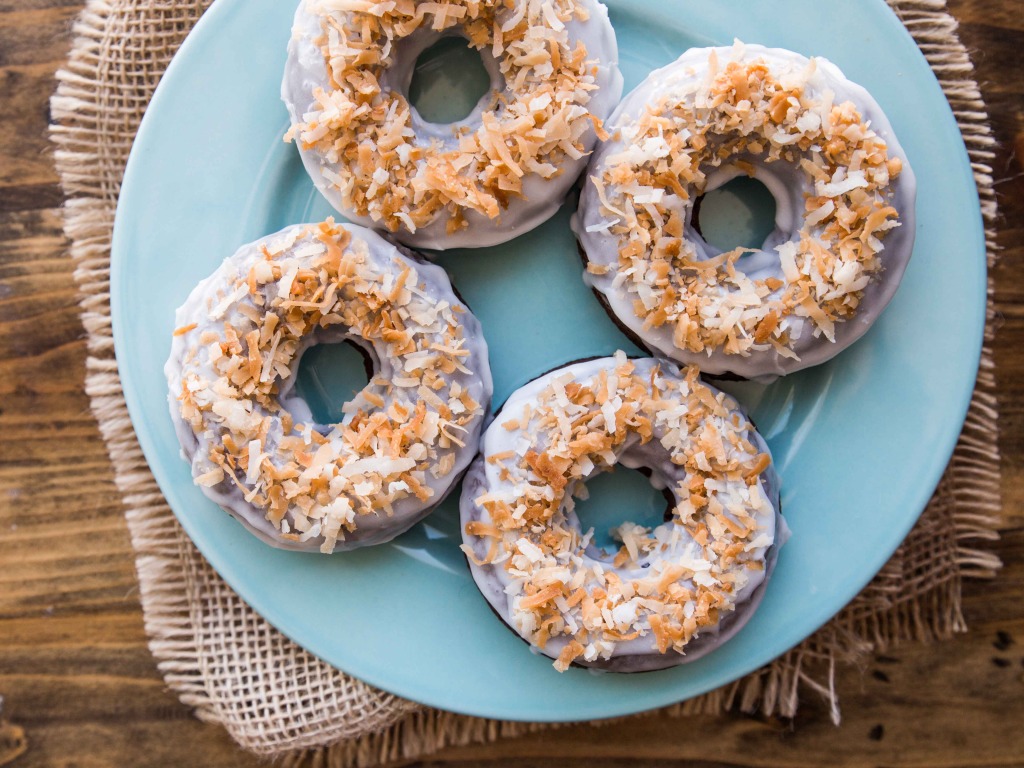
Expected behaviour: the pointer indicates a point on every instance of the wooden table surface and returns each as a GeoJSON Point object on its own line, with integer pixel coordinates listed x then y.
{"type": "Point", "coordinates": [78, 685]}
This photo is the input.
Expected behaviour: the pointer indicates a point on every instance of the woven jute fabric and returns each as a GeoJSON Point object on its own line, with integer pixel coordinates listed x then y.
{"type": "Point", "coordinates": [275, 699]}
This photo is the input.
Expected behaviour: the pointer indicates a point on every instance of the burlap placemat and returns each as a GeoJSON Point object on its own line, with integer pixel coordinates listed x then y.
{"type": "Point", "coordinates": [232, 667]}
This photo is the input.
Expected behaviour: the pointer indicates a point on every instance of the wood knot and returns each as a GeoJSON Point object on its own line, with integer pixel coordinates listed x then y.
{"type": "Point", "coordinates": [13, 742]}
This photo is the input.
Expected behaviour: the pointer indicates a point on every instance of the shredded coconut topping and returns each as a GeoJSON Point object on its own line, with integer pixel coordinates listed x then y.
{"type": "Point", "coordinates": [364, 131]}
{"type": "Point", "coordinates": [317, 481]}
{"type": "Point", "coordinates": [669, 582]}
{"type": "Point", "coordinates": [742, 113]}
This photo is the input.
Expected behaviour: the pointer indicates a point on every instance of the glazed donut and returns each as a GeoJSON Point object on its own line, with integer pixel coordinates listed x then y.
{"type": "Point", "coordinates": [253, 443]}
{"type": "Point", "coordinates": [683, 587]}
{"type": "Point", "coordinates": [497, 173]}
{"type": "Point", "coordinates": [844, 223]}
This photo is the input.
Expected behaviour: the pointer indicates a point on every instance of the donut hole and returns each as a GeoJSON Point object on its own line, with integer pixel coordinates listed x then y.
{"type": "Point", "coordinates": [739, 214]}
{"type": "Point", "coordinates": [618, 496]}
{"type": "Point", "coordinates": [448, 81]}
{"type": "Point", "coordinates": [330, 375]}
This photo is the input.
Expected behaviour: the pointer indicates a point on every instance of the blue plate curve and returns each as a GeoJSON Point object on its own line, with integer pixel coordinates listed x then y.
{"type": "Point", "coordinates": [861, 441]}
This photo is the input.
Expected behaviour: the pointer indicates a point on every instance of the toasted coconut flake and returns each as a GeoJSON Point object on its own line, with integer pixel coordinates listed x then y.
{"type": "Point", "coordinates": [570, 653]}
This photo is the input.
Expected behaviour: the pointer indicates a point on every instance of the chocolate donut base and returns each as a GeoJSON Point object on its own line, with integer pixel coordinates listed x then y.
{"type": "Point", "coordinates": [377, 528]}
{"type": "Point", "coordinates": [696, 648]}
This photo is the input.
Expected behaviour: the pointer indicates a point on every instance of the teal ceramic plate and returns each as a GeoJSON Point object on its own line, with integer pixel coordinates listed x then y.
{"type": "Point", "coordinates": [861, 442]}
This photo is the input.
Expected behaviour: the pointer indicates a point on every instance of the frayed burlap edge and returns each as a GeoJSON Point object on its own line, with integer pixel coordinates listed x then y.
{"type": "Point", "coordinates": [275, 699]}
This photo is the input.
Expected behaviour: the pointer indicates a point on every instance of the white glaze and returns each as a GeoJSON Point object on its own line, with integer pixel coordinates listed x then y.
{"type": "Point", "coordinates": [640, 654]}
{"type": "Point", "coordinates": [541, 198]}
{"type": "Point", "coordinates": [787, 185]}
{"type": "Point", "coordinates": [189, 358]}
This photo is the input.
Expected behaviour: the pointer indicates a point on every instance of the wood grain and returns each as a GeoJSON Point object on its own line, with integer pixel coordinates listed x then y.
{"type": "Point", "coordinates": [78, 685]}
